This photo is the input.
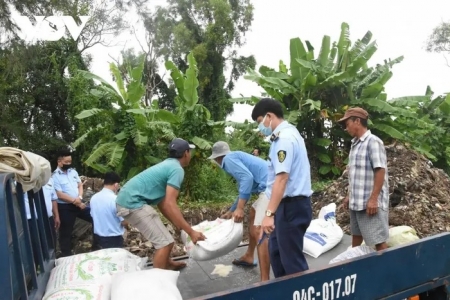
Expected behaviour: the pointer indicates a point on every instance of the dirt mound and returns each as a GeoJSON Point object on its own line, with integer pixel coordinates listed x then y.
{"type": "Point", "coordinates": [419, 193]}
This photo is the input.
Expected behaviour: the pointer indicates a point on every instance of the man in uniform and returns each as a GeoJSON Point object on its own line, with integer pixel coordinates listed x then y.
{"type": "Point", "coordinates": [368, 191]}
{"type": "Point", "coordinates": [159, 185]}
{"type": "Point", "coordinates": [289, 212]}
{"type": "Point", "coordinates": [69, 190]}
{"type": "Point", "coordinates": [109, 228]}
{"type": "Point", "coordinates": [250, 172]}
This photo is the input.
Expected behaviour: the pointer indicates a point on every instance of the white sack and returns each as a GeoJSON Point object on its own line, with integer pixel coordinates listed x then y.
{"type": "Point", "coordinates": [147, 284]}
{"type": "Point", "coordinates": [31, 170]}
{"type": "Point", "coordinates": [89, 270]}
{"type": "Point", "coordinates": [400, 235]}
{"type": "Point", "coordinates": [323, 234]}
{"type": "Point", "coordinates": [99, 290]}
{"type": "Point", "coordinates": [222, 237]}
{"type": "Point", "coordinates": [352, 253]}
{"type": "Point", "coordinates": [104, 254]}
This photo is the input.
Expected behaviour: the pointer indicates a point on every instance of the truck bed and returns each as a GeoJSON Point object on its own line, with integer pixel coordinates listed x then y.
{"type": "Point", "coordinates": [196, 279]}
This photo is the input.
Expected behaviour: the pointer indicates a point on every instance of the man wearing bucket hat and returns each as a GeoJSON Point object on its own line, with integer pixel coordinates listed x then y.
{"type": "Point", "coordinates": [251, 174]}
{"type": "Point", "coordinates": [368, 190]}
{"type": "Point", "coordinates": [158, 185]}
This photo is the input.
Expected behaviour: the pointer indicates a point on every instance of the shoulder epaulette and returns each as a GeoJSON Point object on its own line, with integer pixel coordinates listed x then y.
{"type": "Point", "coordinates": [274, 136]}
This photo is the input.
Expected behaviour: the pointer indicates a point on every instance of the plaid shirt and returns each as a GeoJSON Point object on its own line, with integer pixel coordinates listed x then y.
{"type": "Point", "coordinates": [366, 154]}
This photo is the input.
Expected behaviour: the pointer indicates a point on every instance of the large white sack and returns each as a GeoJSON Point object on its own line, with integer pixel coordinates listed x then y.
{"type": "Point", "coordinates": [89, 270]}
{"type": "Point", "coordinates": [323, 234]}
{"type": "Point", "coordinates": [99, 290]}
{"type": "Point", "coordinates": [222, 237]}
{"type": "Point", "coordinates": [400, 235]}
{"type": "Point", "coordinates": [103, 254]}
{"type": "Point", "coordinates": [352, 253]}
{"type": "Point", "coordinates": [147, 284]}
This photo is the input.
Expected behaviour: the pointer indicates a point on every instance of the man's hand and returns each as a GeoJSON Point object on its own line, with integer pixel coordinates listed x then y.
{"type": "Point", "coordinates": [238, 215]}
{"type": "Point", "coordinates": [82, 206]}
{"type": "Point", "coordinates": [227, 215]}
{"type": "Point", "coordinates": [57, 222]}
{"type": "Point", "coordinates": [344, 204]}
{"type": "Point", "coordinates": [76, 201]}
{"type": "Point", "coordinates": [267, 226]}
{"type": "Point", "coordinates": [197, 236]}
{"type": "Point", "coordinates": [372, 206]}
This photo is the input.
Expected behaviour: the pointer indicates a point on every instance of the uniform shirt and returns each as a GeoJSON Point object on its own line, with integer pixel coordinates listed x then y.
{"type": "Point", "coordinates": [288, 154]}
{"type": "Point", "coordinates": [366, 154]}
{"type": "Point", "coordinates": [249, 171]}
{"type": "Point", "coordinates": [50, 196]}
{"type": "Point", "coordinates": [149, 186]}
{"type": "Point", "coordinates": [66, 183]}
{"type": "Point", "coordinates": [27, 207]}
{"type": "Point", "coordinates": [104, 214]}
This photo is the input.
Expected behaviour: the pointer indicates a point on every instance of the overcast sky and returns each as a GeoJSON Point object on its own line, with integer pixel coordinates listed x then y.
{"type": "Point", "coordinates": [400, 27]}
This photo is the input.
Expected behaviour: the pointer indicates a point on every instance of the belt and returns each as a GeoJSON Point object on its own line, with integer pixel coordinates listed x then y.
{"type": "Point", "coordinates": [294, 198]}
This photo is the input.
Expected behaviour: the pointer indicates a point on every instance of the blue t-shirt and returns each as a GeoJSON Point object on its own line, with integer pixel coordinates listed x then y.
{"type": "Point", "coordinates": [149, 186]}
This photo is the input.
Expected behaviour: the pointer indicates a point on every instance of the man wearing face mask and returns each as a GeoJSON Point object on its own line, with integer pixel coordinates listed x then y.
{"type": "Point", "coordinates": [289, 211]}
{"type": "Point", "coordinates": [69, 190]}
{"type": "Point", "coordinates": [109, 228]}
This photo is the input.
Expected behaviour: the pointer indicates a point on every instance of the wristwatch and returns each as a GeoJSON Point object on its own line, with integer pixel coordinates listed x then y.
{"type": "Point", "coordinates": [269, 213]}
{"type": "Point", "coordinates": [81, 198]}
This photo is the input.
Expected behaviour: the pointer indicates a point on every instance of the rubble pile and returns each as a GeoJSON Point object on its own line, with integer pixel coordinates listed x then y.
{"type": "Point", "coordinates": [419, 194]}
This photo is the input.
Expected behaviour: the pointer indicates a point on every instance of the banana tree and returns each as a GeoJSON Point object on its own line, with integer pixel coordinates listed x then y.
{"type": "Point", "coordinates": [315, 91]}
{"type": "Point", "coordinates": [131, 130]}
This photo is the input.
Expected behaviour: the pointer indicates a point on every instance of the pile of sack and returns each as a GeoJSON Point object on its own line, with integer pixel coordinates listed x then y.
{"type": "Point", "coordinates": [108, 274]}
{"type": "Point", "coordinates": [323, 234]}
{"type": "Point", "coordinates": [398, 235]}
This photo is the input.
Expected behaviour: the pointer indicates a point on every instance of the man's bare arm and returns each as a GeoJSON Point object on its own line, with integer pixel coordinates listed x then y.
{"type": "Point", "coordinates": [169, 208]}
{"type": "Point", "coordinates": [80, 189]}
{"type": "Point", "coordinates": [378, 182]}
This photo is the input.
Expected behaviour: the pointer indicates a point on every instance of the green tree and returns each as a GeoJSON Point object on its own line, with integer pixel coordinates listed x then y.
{"type": "Point", "coordinates": [439, 40]}
{"type": "Point", "coordinates": [213, 30]}
{"type": "Point", "coordinates": [316, 90]}
{"type": "Point", "coordinates": [132, 135]}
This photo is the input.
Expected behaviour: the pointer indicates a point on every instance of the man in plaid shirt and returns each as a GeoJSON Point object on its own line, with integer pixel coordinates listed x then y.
{"type": "Point", "coordinates": [368, 191]}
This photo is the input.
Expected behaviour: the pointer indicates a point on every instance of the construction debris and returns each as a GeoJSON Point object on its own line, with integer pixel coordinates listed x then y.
{"type": "Point", "coordinates": [419, 193]}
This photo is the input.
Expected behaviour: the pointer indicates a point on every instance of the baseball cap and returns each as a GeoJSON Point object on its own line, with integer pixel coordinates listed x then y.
{"type": "Point", "coordinates": [357, 112]}
{"type": "Point", "coordinates": [219, 149]}
{"type": "Point", "coordinates": [178, 146]}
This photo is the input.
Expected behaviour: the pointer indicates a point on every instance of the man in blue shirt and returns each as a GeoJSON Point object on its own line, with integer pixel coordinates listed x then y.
{"type": "Point", "coordinates": [69, 190]}
{"type": "Point", "coordinates": [159, 185]}
{"type": "Point", "coordinates": [289, 212]}
{"type": "Point", "coordinates": [251, 174]}
{"type": "Point", "coordinates": [108, 227]}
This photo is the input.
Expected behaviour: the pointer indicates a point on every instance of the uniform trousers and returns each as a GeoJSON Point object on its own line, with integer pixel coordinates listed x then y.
{"type": "Point", "coordinates": [292, 218]}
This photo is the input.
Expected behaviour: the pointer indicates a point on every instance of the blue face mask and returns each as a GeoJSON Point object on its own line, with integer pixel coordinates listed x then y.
{"type": "Point", "coordinates": [265, 130]}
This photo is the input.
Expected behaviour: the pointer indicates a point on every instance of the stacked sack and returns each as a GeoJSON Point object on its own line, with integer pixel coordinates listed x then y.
{"type": "Point", "coordinates": [323, 234]}
{"type": "Point", "coordinates": [89, 275]}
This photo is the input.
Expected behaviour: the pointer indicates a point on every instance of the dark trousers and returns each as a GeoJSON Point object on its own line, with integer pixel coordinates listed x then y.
{"type": "Point", "coordinates": [68, 213]}
{"type": "Point", "coordinates": [105, 242]}
{"type": "Point", "coordinates": [292, 218]}
{"type": "Point", "coordinates": [52, 242]}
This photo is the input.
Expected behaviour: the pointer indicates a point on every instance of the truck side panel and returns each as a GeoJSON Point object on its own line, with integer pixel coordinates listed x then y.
{"type": "Point", "coordinates": [19, 278]}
